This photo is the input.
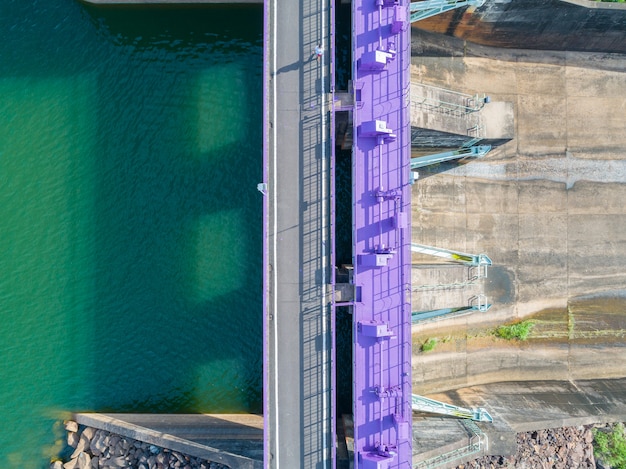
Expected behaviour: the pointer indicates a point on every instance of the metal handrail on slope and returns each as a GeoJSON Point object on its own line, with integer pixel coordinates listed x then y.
{"type": "Point", "coordinates": [427, 8]}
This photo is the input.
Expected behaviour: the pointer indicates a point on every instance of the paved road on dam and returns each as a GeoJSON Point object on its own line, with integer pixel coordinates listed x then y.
{"type": "Point", "coordinates": [298, 393]}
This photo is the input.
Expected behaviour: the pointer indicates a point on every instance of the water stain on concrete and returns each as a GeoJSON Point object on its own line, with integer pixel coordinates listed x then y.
{"type": "Point", "coordinates": [499, 286]}
{"type": "Point", "coordinates": [601, 316]}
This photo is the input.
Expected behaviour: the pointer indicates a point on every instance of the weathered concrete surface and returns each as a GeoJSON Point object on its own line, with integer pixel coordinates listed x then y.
{"type": "Point", "coordinates": [537, 24]}
{"type": "Point", "coordinates": [519, 407]}
{"type": "Point", "coordinates": [548, 206]}
{"type": "Point", "coordinates": [532, 405]}
{"type": "Point", "coordinates": [548, 209]}
{"type": "Point", "coordinates": [469, 362]}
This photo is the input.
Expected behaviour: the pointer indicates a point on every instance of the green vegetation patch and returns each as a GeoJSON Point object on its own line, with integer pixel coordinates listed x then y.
{"type": "Point", "coordinates": [517, 331]}
{"type": "Point", "coordinates": [610, 446]}
{"type": "Point", "coordinates": [429, 345]}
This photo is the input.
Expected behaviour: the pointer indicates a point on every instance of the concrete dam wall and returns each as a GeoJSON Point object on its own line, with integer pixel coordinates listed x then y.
{"type": "Point", "coordinates": [537, 24]}
{"type": "Point", "coordinates": [547, 207]}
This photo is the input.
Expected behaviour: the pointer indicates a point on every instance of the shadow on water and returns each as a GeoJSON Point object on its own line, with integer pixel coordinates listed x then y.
{"type": "Point", "coordinates": [343, 246]}
{"type": "Point", "coordinates": [223, 30]}
{"type": "Point", "coordinates": [343, 48]}
{"type": "Point", "coordinates": [177, 214]}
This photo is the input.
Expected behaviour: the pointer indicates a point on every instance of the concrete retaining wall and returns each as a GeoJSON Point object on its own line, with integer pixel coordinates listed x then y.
{"type": "Point", "coordinates": [195, 435]}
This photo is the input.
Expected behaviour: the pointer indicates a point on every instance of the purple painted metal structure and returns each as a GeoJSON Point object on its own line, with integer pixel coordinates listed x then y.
{"type": "Point", "coordinates": [381, 234]}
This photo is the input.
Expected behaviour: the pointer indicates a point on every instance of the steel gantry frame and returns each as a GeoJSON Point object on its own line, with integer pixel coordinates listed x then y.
{"type": "Point", "coordinates": [381, 197]}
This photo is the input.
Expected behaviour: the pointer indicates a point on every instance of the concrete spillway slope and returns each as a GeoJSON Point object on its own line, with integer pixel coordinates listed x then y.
{"type": "Point", "coordinates": [548, 209]}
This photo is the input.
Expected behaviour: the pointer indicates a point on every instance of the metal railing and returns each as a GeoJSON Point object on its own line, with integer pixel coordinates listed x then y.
{"type": "Point", "coordinates": [427, 8]}
{"type": "Point", "coordinates": [477, 442]}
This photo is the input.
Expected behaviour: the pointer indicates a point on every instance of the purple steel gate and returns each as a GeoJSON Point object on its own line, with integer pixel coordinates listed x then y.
{"type": "Point", "coordinates": [382, 236]}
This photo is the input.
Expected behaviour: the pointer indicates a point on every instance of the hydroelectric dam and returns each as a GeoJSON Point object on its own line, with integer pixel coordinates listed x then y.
{"type": "Point", "coordinates": [402, 116]}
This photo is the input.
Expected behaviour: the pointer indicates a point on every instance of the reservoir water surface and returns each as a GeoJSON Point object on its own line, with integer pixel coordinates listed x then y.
{"type": "Point", "coordinates": [131, 242]}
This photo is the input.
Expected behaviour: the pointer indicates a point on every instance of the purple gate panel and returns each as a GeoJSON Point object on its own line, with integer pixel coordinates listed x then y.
{"type": "Point", "coordinates": [381, 233]}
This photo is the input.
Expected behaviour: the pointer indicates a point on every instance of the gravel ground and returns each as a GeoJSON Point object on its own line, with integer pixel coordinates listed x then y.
{"type": "Point", "coordinates": [556, 448]}
{"type": "Point", "coordinates": [95, 449]}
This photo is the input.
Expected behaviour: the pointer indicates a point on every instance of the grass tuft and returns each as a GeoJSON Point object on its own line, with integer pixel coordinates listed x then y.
{"type": "Point", "coordinates": [429, 345]}
{"type": "Point", "coordinates": [610, 446]}
{"type": "Point", "coordinates": [517, 331]}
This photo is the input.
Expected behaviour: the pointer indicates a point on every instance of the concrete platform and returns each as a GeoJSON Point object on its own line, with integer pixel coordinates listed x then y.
{"type": "Point", "coordinates": [439, 286]}
{"type": "Point", "coordinates": [235, 440]}
{"type": "Point", "coordinates": [517, 407]}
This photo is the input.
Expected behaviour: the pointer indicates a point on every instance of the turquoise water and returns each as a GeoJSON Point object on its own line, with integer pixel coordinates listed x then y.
{"type": "Point", "coordinates": [131, 248]}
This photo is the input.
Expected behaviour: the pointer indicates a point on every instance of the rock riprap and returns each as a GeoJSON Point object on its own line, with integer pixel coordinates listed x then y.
{"type": "Point", "coordinates": [556, 448]}
{"type": "Point", "coordinates": [99, 449]}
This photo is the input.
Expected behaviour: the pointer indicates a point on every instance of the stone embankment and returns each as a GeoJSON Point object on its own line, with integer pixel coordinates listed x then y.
{"type": "Point", "coordinates": [557, 448]}
{"type": "Point", "coordinates": [95, 449]}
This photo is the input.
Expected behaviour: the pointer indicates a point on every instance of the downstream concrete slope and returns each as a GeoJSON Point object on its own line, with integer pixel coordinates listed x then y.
{"type": "Point", "coordinates": [574, 25]}
{"type": "Point", "coordinates": [548, 209]}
